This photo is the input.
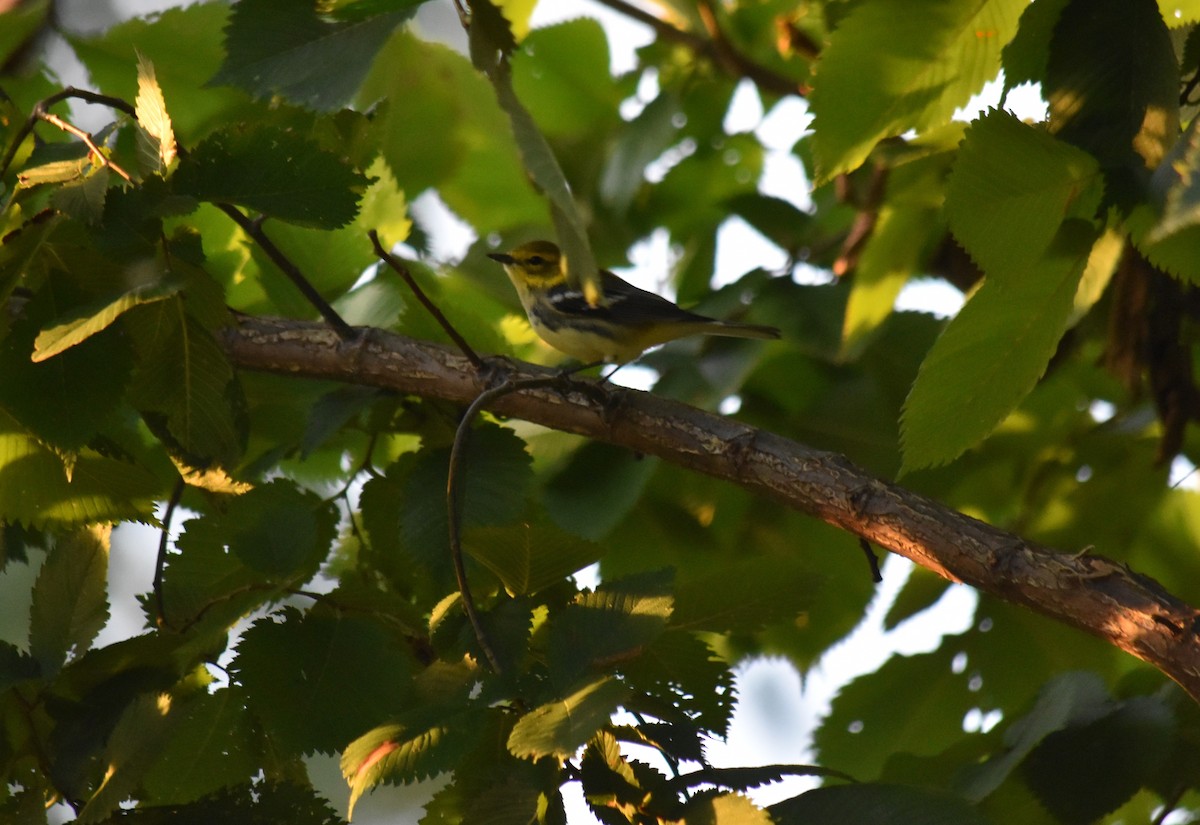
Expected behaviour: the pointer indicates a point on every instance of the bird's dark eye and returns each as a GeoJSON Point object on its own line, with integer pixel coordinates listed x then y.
{"type": "Point", "coordinates": [536, 260]}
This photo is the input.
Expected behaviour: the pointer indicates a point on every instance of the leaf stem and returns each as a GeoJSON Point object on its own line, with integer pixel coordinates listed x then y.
{"type": "Point", "coordinates": [454, 499]}
{"type": "Point", "coordinates": [402, 270]}
{"type": "Point", "coordinates": [253, 228]}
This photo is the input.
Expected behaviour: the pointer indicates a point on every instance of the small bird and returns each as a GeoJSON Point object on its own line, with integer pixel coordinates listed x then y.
{"type": "Point", "coordinates": [624, 325]}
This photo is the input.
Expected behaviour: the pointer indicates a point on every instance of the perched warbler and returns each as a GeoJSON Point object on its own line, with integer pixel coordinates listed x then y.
{"type": "Point", "coordinates": [626, 323]}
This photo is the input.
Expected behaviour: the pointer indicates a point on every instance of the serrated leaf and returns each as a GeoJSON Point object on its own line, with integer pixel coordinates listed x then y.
{"type": "Point", "coordinates": [1011, 189]}
{"type": "Point", "coordinates": [185, 45]}
{"type": "Point", "coordinates": [528, 557]}
{"type": "Point", "coordinates": [70, 598]}
{"type": "Point", "coordinates": [495, 480]}
{"type": "Point", "coordinates": [67, 399]}
{"type": "Point", "coordinates": [1025, 56]}
{"type": "Point", "coordinates": [1112, 85]}
{"type": "Point", "coordinates": [725, 809]}
{"type": "Point", "coordinates": [876, 804]}
{"type": "Point", "coordinates": [883, 73]}
{"type": "Point", "coordinates": [84, 322]}
{"type": "Point", "coordinates": [35, 489]}
{"type": "Point", "coordinates": [283, 47]}
{"type": "Point", "coordinates": [139, 736]}
{"type": "Point", "coordinates": [316, 682]}
{"type": "Point", "coordinates": [561, 727]}
{"type": "Point", "coordinates": [212, 746]}
{"type": "Point", "coordinates": [1077, 696]}
{"type": "Point", "coordinates": [279, 530]}
{"type": "Point", "coordinates": [273, 171]}
{"type": "Point", "coordinates": [83, 200]}
{"type": "Point", "coordinates": [184, 376]}
{"type": "Point", "coordinates": [992, 354]}
{"type": "Point", "coordinates": [1082, 772]}
{"type": "Point", "coordinates": [616, 620]}
{"type": "Point", "coordinates": [156, 138]}
{"type": "Point", "coordinates": [408, 751]}
{"type": "Point", "coordinates": [1176, 183]}
{"type": "Point", "coordinates": [679, 666]}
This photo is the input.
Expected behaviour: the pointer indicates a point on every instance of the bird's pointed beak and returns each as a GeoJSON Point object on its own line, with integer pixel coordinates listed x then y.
{"type": "Point", "coordinates": [501, 257]}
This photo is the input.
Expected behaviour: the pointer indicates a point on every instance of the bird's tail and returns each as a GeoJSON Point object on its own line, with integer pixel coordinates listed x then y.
{"type": "Point", "coordinates": [742, 330]}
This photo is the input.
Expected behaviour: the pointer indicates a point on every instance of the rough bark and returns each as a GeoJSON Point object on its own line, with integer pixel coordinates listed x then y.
{"type": "Point", "coordinates": [1084, 590]}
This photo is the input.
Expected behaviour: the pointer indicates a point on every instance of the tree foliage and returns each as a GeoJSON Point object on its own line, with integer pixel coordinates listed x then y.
{"type": "Point", "coordinates": [310, 597]}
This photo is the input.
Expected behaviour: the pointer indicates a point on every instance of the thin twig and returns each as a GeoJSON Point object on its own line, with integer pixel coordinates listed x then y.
{"type": "Point", "coordinates": [55, 120]}
{"type": "Point", "coordinates": [253, 228]}
{"type": "Point", "coordinates": [720, 52]}
{"type": "Point", "coordinates": [736, 63]}
{"type": "Point", "coordinates": [159, 563]}
{"type": "Point", "coordinates": [443, 322]}
{"type": "Point", "coordinates": [453, 500]}
{"type": "Point", "coordinates": [42, 108]}
{"type": "Point", "coordinates": [872, 559]}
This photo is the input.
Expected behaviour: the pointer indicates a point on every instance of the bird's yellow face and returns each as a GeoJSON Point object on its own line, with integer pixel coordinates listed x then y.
{"type": "Point", "coordinates": [536, 264]}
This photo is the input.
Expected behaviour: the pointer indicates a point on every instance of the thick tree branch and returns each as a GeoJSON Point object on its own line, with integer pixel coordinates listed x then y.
{"type": "Point", "coordinates": [1085, 591]}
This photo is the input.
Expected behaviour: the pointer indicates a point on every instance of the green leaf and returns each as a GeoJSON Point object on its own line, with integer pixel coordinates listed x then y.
{"type": "Point", "coordinates": [677, 666]}
{"type": "Point", "coordinates": [282, 47]}
{"type": "Point", "coordinates": [279, 531]}
{"type": "Point", "coordinates": [156, 138]}
{"type": "Point", "coordinates": [744, 594]}
{"type": "Point", "coordinates": [83, 200]}
{"type": "Point", "coordinates": [316, 682]}
{"type": "Point", "coordinates": [65, 399]}
{"type": "Point", "coordinates": [184, 377]}
{"type": "Point", "coordinates": [884, 73]}
{"type": "Point", "coordinates": [620, 617]}
{"type": "Point", "coordinates": [561, 727]}
{"type": "Point", "coordinates": [211, 747]}
{"type": "Point", "coordinates": [1085, 771]}
{"type": "Point", "coordinates": [412, 750]}
{"type": "Point", "coordinates": [70, 598]}
{"type": "Point", "coordinates": [20, 22]}
{"type": "Point", "coordinates": [1112, 84]}
{"type": "Point", "coordinates": [561, 74]}
{"type": "Point", "coordinates": [495, 483]}
{"type": "Point", "coordinates": [714, 808]}
{"type": "Point", "coordinates": [639, 143]}
{"type": "Point", "coordinates": [86, 321]}
{"type": "Point", "coordinates": [1177, 183]}
{"type": "Point", "coordinates": [1012, 187]}
{"type": "Point", "coordinates": [1025, 56]}
{"type": "Point", "coordinates": [185, 46]}
{"type": "Point", "coordinates": [908, 227]}
{"type": "Point", "coordinates": [529, 557]}
{"type": "Point", "coordinates": [134, 745]}
{"type": "Point", "coordinates": [1073, 697]}
{"type": "Point", "coordinates": [863, 729]}
{"type": "Point", "coordinates": [876, 804]}
{"type": "Point", "coordinates": [273, 171]}
{"type": "Point", "coordinates": [966, 386]}
{"type": "Point", "coordinates": [37, 490]}
{"type": "Point", "coordinates": [596, 488]}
